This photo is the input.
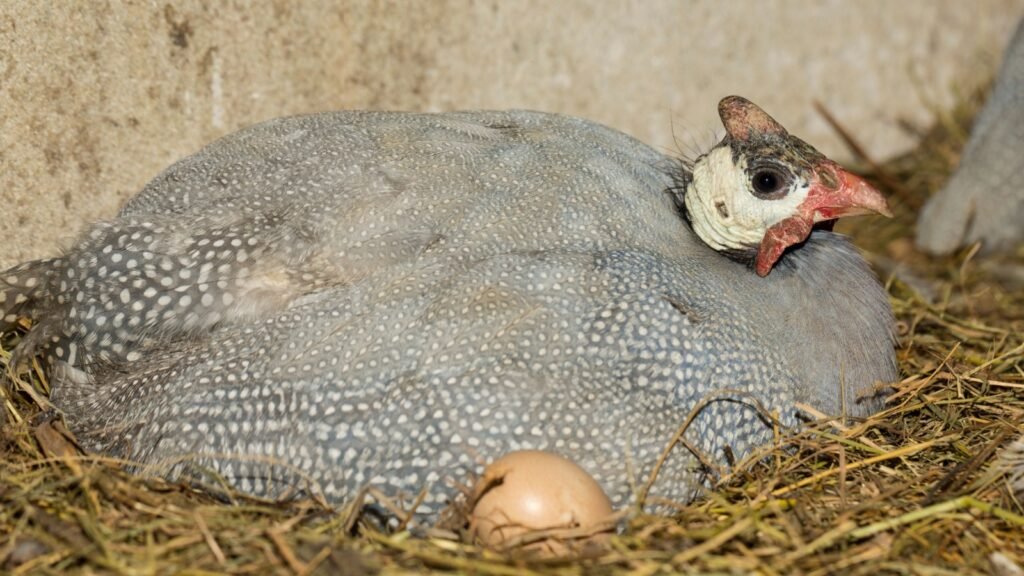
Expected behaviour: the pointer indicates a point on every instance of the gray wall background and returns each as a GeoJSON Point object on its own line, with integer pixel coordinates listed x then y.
{"type": "Point", "coordinates": [96, 97]}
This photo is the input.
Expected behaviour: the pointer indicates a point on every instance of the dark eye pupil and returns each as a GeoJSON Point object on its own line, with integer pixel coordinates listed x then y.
{"type": "Point", "coordinates": [766, 182]}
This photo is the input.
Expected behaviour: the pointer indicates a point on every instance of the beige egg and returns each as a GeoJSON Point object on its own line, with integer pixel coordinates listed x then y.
{"type": "Point", "coordinates": [530, 490]}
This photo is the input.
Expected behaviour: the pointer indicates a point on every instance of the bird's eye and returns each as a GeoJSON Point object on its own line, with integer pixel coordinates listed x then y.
{"type": "Point", "coordinates": [768, 182]}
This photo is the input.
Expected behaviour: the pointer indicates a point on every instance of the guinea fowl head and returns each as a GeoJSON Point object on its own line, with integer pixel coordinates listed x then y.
{"type": "Point", "coordinates": [761, 190]}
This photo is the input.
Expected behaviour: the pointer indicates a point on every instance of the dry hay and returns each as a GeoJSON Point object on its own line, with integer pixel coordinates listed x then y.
{"type": "Point", "coordinates": [922, 488]}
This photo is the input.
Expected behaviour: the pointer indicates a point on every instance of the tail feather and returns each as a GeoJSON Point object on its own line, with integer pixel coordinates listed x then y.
{"type": "Point", "coordinates": [38, 340]}
{"type": "Point", "coordinates": [24, 288]}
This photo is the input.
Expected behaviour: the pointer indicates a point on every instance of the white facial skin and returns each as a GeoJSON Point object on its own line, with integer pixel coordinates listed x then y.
{"type": "Point", "coordinates": [724, 210]}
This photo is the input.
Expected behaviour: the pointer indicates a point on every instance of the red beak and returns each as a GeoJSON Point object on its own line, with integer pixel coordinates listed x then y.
{"type": "Point", "coordinates": [852, 197]}
{"type": "Point", "coordinates": [834, 193]}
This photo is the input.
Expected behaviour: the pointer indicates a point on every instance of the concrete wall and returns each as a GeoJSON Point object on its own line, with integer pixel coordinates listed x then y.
{"type": "Point", "coordinates": [96, 97]}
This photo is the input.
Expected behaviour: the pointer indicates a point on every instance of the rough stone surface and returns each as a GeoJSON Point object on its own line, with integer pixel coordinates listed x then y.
{"type": "Point", "coordinates": [98, 97]}
{"type": "Point", "coordinates": [325, 302]}
{"type": "Point", "coordinates": [984, 200]}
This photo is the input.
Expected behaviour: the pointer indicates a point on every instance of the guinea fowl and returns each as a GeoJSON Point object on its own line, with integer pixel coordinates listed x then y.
{"type": "Point", "coordinates": [326, 302]}
{"type": "Point", "coordinates": [983, 201]}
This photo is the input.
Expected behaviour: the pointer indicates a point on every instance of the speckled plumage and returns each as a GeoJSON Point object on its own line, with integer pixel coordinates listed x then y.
{"type": "Point", "coordinates": [319, 303]}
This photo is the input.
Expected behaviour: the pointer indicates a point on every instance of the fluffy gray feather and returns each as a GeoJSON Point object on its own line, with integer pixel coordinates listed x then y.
{"type": "Point", "coordinates": [323, 302]}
